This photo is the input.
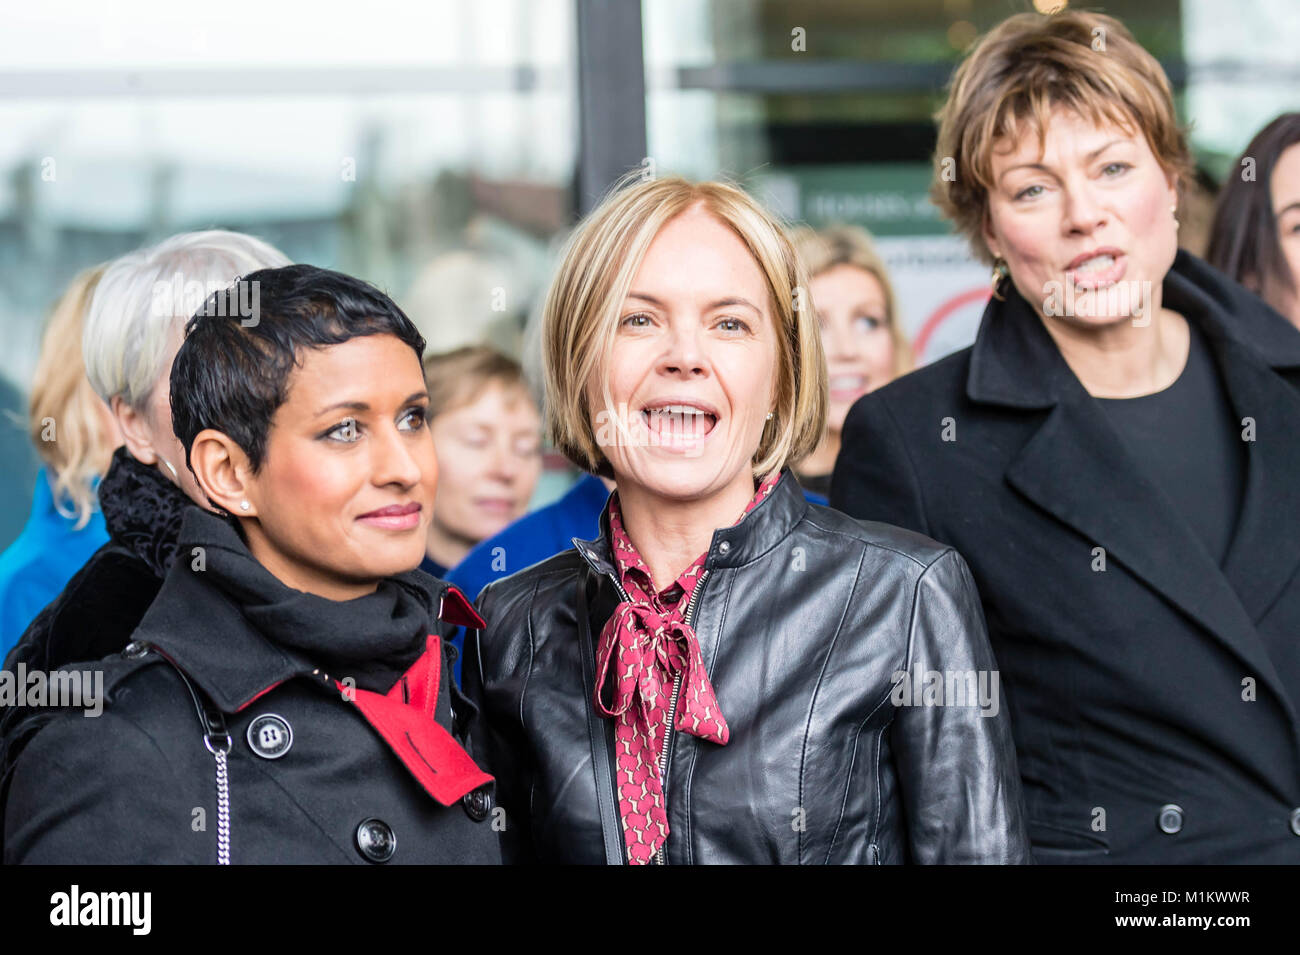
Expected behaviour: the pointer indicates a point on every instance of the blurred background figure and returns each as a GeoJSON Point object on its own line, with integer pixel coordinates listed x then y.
{"type": "Point", "coordinates": [864, 342]}
{"type": "Point", "coordinates": [75, 435]}
{"type": "Point", "coordinates": [536, 536]}
{"type": "Point", "coordinates": [487, 432]}
{"type": "Point", "coordinates": [1255, 238]}
{"type": "Point", "coordinates": [133, 329]}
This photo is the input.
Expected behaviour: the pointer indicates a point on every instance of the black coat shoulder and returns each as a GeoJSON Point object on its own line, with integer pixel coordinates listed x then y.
{"type": "Point", "coordinates": [55, 760]}
{"type": "Point", "coordinates": [940, 386]}
{"type": "Point", "coordinates": [94, 616]}
{"type": "Point", "coordinates": [880, 472]}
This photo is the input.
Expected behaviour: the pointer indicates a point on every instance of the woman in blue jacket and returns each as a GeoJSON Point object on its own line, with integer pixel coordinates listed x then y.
{"type": "Point", "coordinates": [74, 434]}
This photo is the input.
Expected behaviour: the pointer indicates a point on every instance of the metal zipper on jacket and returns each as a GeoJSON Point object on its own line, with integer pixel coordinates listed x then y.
{"type": "Point", "coordinates": [672, 716]}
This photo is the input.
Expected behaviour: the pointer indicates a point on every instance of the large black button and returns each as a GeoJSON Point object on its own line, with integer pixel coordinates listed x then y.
{"type": "Point", "coordinates": [270, 736]}
{"type": "Point", "coordinates": [375, 840]}
{"type": "Point", "coordinates": [478, 804]}
{"type": "Point", "coordinates": [1295, 821]}
{"type": "Point", "coordinates": [1171, 818]}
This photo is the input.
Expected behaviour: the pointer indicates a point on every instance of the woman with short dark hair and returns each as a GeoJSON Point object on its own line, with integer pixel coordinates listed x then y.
{"type": "Point", "coordinates": [290, 683]}
{"type": "Point", "coordinates": [1255, 237]}
{"type": "Point", "coordinates": [1116, 459]}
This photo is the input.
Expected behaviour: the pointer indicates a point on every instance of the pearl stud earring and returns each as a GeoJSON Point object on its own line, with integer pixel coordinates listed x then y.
{"type": "Point", "coordinates": [243, 505]}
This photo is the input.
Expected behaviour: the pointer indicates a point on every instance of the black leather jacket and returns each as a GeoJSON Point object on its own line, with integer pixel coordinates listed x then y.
{"type": "Point", "coordinates": [804, 616]}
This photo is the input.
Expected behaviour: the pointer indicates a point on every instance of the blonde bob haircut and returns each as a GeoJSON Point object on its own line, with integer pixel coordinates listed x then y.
{"type": "Point", "coordinates": [824, 249]}
{"type": "Point", "coordinates": [65, 419]}
{"type": "Point", "coordinates": [586, 299]}
{"type": "Point", "coordinates": [1021, 70]}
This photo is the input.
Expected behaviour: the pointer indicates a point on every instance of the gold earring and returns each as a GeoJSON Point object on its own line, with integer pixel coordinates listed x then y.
{"type": "Point", "coordinates": [1000, 272]}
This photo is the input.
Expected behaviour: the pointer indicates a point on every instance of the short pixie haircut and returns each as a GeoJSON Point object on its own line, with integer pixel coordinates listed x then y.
{"type": "Point", "coordinates": [1017, 74]}
{"type": "Point", "coordinates": [232, 371]}
{"type": "Point", "coordinates": [587, 296]}
{"type": "Point", "coordinates": [144, 293]}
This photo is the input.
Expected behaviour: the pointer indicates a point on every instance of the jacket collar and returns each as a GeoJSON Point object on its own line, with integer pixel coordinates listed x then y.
{"type": "Point", "coordinates": [763, 528]}
{"type": "Point", "coordinates": [1015, 363]}
{"type": "Point", "coordinates": [204, 630]}
{"type": "Point", "coordinates": [1075, 466]}
{"type": "Point", "coordinates": [142, 510]}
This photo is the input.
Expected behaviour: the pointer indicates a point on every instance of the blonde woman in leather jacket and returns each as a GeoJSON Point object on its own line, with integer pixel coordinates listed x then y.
{"type": "Point", "coordinates": [727, 673]}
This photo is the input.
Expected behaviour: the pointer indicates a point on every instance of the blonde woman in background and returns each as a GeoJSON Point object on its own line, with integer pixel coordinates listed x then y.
{"type": "Point", "coordinates": [488, 435]}
{"type": "Point", "coordinates": [861, 335]}
{"type": "Point", "coordinates": [75, 435]}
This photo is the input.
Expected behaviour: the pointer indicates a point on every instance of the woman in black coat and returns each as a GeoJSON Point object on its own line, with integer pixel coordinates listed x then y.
{"type": "Point", "coordinates": [287, 697]}
{"type": "Point", "coordinates": [1116, 458]}
{"type": "Point", "coordinates": [728, 674]}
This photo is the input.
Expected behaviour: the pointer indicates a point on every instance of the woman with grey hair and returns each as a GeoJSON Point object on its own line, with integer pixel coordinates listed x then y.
{"type": "Point", "coordinates": [133, 330]}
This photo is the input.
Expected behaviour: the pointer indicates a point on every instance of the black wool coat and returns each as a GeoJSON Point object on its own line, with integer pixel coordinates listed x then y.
{"type": "Point", "coordinates": [328, 759]}
{"type": "Point", "coordinates": [1153, 703]}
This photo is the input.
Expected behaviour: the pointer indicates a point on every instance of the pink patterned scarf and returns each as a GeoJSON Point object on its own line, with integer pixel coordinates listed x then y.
{"type": "Point", "coordinates": [647, 641]}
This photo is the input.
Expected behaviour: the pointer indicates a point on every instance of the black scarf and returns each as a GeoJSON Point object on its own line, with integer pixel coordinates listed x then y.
{"type": "Point", "coordinates": [142, 510]}
{"type": "Point", "coordinates": [374, 639]}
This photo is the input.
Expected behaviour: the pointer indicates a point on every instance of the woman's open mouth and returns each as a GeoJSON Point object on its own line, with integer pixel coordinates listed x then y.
{"type": "Point", "coordinates": [676, 424]}
{"type": "Point", "coordinates": [396, 517]}
{"type": "Point", "coordinates": [1097, 269]}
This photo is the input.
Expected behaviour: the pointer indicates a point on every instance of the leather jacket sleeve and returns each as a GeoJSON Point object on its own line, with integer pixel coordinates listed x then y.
{"type": "Point", "coordinates": [491, 682]}
{"type": "Point", "coordinates": [955, 755]}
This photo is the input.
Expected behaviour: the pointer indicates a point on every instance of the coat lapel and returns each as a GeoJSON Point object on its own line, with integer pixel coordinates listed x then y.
{"type": "Point", "coordinates": [1253, 345]}
{"type": "Point", "coordinates": [1265, 551]}
{"type": "Point", "coordinates": [1076, 468]}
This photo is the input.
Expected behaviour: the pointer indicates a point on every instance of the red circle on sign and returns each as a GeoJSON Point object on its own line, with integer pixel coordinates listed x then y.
{"type": "Point", "coordinates": [942, 313]}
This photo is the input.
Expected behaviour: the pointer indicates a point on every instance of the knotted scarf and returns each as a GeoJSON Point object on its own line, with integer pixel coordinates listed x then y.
{"type": "Point", "coordinates": [646, 643]}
